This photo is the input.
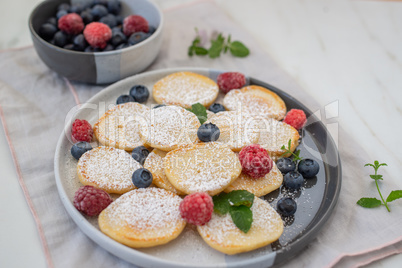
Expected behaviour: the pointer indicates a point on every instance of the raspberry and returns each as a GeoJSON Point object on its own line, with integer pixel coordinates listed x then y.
{"type": "Point", "coordinates": [296, 118]}
{"type": "Point", "coordinates": [71, 24]}
{"type": "Point", "coordinates": [91, 201]}
{"type": "Point", "coordinates": [197, 208]}
{"type": "Point", "coordinates": [81, 131]}
{"type": "Point", "coordinates": [135, 23]}
{"type": "Point", "coordinates": [97, 34]}
{"type": "Point", "coordinates": [230, 80]}
{"type": "Point", "coordinates": [255, 161]}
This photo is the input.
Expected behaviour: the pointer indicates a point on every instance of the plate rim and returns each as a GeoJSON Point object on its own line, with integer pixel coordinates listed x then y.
{"type": "Point", "coordinates": [142, 258]}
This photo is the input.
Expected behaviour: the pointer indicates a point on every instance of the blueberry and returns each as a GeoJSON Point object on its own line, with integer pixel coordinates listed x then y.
{"type": "Point", "coordinates": [286, 206]}
{"type": "Point", "coordinates": [87, 16]}
{"type": "Point", "coordinates": [151, 29]}
{"type": "Point", "coordinates": [114, 6]}
{"type": "Point", "coordinates": [208, 132]}
{"type": "Point", "coordinates": [92, 49]}
{"type": "Point", "coordinates": [286, 165]}
{"type": "Point", "coordinates": [137, 37]}
{"type": "Point", "coordinates": [142, 178]}
{"type": "Point", "coordinates": [293, 180]}
{"type": "Point", "coordinates": [63, 6]}
{"type": "Point", "coordinates": [52, 20]}
{"type": "Point", "coordinates": [61, 13]}
{"type": "Point", "coordinates": [47, 31]}
{"type": "Point", "coordinates": [60, 39]}
{"type": "Point", "coordinates": [118, 37]}
{"type": "Point", "coordinates": [308, 168]}
{"type": "Point", "coordinates": [124, 99]}
{"type": "Point", "coordinates": [80, 148]}
{"type": "Point", "coordinates": [139, 154]}
{"type": "Point", "coordinates": [158, 106]}
{"type": "Point", "coordinates": [140, 93]}
{"type": "Point", "coordinates": [116, 29]}
{"type": "Point", "coordinates": [99, 2]}
{"type": "Point", "coordinates": [216, 107]}
{"type": "Point", "coordinates": [109, 47]}
{"type": "Point", "coordinates": [122, 45]}
{"type": "Point", "coordinates": [77, 8]}
{"type": "Point", "coordinates": [69, 46]}
{"type": "Point", "coordinates": [109, 20]}
{"type": "Point", "coordinates": [99, 11]}
{"type": "Point", "coordinates": [119, 19]}
{"type": "Point", "coordinates": [79, 42]}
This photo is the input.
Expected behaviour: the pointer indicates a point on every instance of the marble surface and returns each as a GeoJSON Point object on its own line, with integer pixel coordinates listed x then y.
{"type": "Point", "coordinates": [344, 53]}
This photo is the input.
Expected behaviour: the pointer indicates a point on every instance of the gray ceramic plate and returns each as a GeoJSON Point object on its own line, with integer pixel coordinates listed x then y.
{"type": "Point", "coordinates": [315, 201]}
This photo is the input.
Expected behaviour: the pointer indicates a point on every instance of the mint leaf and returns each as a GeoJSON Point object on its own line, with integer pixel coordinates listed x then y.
{"type": "Point", "coordinates": [221, 203]}
{"type": "Point", "coordinates": [376, 177]}
{"type": "Point", "coordinates": [238, 49]}
{"type": "Point", "coordinates": [216, 47]}
{"type": "Point", "coordinates": [200, 111]}
{"type": "Point", "coordinates": [242, 217]}
{"type": "Point", "coordinates": [200, 51]}
{"type": "Point", "coordinates": [296, 154]}
{"type": "Point", "coordinates": [240, 197]}
{"type": "Point", "coordinates": [369, 202]}
{"type": "Point", "coordinates": [394, 195]}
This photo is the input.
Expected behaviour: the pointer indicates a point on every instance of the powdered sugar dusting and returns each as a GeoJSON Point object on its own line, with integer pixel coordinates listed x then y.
{"type": "Point", "coordinates": [154, 163]}
{"type": "Point", "coordinates": [236, 130]}
{"type": "Point", "coordinates": [149, 209]}
{"type": "Point", "coordinates": [222, 230]}
{"type": "Point", "coordinates": [119, 127]}
{"type": "Point", "coordinates": [108, 168]}
{"type": "Point", "coordinates": [274, 134]}
{"type": "Point", "coordinates": [185, 89]}
{"type": "Point", "coordinates": [251, 104]}
{"type": "Point", "coordinates": [206, 167]}
{"type": "Point", "coordinates": [169, 127]}
{"type": "Point", "coordinates": [260, 186]}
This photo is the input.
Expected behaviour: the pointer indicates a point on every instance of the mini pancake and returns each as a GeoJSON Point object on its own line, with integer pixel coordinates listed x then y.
{"type": "Point", "coordinates": [184, 89]}
{"type": "Point", "coordinates": [222, 234]}
{"type": "Point", "coordinates": [119, 126]}
{"type": "Point", "coordinates": [275, 134]}
{"type": "Point", "coordinates": [204, 167]}
{"type": "Point", "coordinates": [154, 163]}
{"type": "Point", "coordinates": [170, 127]}
{"type": "Point", "coordinates": [143, 218]}
{"type": "Point", "coordinates": [236, 131]}
{"type": "Point", "coordinates": [255, 101]}
{"type": "Point", "coordinates": [107, 168]}
{"type": "Point", "coordinates": [258, 186]}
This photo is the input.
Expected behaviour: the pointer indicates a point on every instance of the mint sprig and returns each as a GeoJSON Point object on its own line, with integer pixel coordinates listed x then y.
{"type": "Point", "coordinates": [218, 45]}
{"type": "Point", "coordinates": [200, 111]}
{"type": "Point", "coordinates": [296, 154]}
{"type": "Point", "coordinates": [371, 202]}
{"type": "Point", "coordinates": [237, 203]}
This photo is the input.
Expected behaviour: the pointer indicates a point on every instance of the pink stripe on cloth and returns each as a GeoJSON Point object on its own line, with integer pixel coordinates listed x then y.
{"type": "Point", "coordinates": [15, 48]}
{"type": "Point", "coordinates": [26, 193]}
{"type": "Point", "coordinates": [390, 243]}
{"type": "Point", "coordinates": [378, 257]}
{"type": "Point", "coordinates": [73, 91]}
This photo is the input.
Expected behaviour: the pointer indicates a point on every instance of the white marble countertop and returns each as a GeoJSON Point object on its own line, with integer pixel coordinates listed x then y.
{"type": "Point", "coordinates": [343, 51]}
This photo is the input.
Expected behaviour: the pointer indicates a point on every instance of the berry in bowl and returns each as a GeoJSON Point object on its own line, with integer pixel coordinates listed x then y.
{"type": "Point", "coordinates": [97, 41]}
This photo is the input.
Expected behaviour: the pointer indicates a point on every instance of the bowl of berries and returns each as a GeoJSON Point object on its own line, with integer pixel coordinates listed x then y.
{"type": "Point", "coordinates": [97, 41]}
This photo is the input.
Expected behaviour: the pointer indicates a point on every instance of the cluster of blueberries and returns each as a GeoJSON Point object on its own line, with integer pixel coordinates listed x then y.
{"type": "Point", "coordinates": [293, 179]}
{"type": "Point", "coordinates": [105, 11]}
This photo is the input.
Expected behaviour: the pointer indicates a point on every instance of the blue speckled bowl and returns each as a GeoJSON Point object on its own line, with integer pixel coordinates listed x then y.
{"type": "Point", "coordinates": [99, 67]}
